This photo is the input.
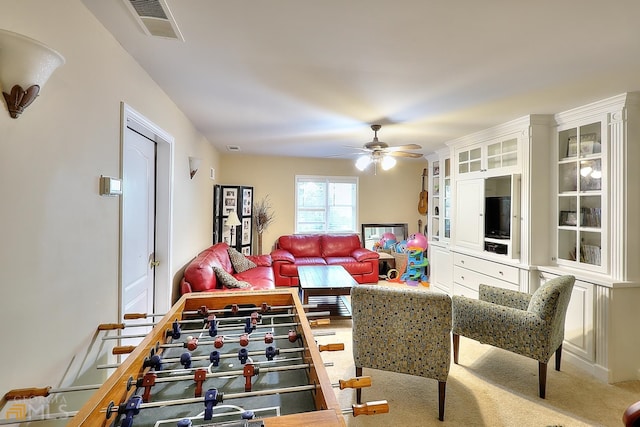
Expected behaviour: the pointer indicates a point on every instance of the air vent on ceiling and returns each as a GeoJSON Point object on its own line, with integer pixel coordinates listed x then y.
{"type": "Point", "coordinates": [233, 148]}
{"type": "Point", "coordinates": [155, 18]}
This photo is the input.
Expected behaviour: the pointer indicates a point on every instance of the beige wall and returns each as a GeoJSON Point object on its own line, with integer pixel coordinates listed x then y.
{"type": "Point", "coordinates": [59, 237]}
{"type": "Point", "coordinates": [388, 196]}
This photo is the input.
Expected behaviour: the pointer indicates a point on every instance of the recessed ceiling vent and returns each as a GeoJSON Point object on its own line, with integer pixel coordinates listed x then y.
{"type": "Point", "coordinates": [233, 148]}
{"type": "Point", "coordinates": [155, 18]}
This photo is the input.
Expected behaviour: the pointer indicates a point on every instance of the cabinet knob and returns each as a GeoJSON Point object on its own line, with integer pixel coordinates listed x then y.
{"type": "Point", "coordinates": [501, 273]}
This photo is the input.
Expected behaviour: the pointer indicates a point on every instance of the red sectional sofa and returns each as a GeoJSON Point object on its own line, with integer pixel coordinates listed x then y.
{"type": "Point", "coordinates": [200, 277]}
{"type": "Point", "coordinates": [346, 250]}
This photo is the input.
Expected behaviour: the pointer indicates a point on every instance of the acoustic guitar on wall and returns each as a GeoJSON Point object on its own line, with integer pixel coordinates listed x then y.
{"type": "Point", "coordinates": [423, 203]}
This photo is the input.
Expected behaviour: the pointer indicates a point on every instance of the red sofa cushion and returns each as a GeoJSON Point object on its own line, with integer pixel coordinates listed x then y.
{"type": "Point", "coordinates": [336, 245]}
{"type": "Point", "coordinates": [301, 245]}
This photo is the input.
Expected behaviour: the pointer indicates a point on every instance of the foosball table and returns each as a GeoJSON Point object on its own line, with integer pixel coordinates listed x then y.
{"type": "Point", "coordinates": [221, 359]}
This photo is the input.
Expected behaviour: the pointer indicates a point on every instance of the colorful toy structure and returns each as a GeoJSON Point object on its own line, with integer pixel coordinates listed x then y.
{"type": "Point", "coordinates": [417, 264]}
{"type": "Point", "coordinates": [411, 269]}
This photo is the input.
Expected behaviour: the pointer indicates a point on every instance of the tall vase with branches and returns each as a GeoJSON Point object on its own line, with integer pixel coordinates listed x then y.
{"type": "Point", "coordinates": [263, 216]}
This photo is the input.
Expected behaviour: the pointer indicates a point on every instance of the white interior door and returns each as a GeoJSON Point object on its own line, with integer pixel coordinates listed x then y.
{"type": "Point", "coordinates": [138, 224]}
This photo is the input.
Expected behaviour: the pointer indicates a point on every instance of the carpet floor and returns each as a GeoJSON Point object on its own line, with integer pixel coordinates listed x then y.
{"type": "Point", "coordinates": [490, 387]}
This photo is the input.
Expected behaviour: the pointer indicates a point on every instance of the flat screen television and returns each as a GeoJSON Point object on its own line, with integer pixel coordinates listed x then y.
{"type": "Point", "coordinates": [497, 217]}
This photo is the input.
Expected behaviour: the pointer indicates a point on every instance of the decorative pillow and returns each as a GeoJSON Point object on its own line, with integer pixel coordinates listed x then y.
{"type": "Point", "coordinates": [228, 280]}
{"type": "Point", "coordinates": [239, 261]}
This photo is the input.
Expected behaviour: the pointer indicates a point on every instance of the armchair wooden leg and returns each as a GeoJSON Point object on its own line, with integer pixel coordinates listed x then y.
{"type": "Point", "coordinates": [358, 390]}
{"type": "Point", "coordinates": [442, 387]}
{"type": "Point", "coordinates": [456, 346]}
{"type": "Point", "coordinates": [558, 357]}
{"type": "Point", "coordinates": [542, 374]}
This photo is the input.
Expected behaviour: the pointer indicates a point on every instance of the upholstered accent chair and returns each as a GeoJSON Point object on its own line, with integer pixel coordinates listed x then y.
{"type": "Point", "coordinates": [405, 330]}
{"type": "Point", "coordinates": [525, 324]}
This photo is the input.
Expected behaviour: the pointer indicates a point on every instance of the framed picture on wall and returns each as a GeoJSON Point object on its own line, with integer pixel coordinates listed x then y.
{"type": "Point", "coordinates": [246, 250]}
{"type": "Point", "coordinates": [246, 231]}
{"type": "Point", "coordinates": [246, 202]}
{"type": "Point", "coordinates": [230, 198]}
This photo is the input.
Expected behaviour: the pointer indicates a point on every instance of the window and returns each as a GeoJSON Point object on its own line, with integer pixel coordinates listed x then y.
{"type": "Point", "coordinates": [326, 204]}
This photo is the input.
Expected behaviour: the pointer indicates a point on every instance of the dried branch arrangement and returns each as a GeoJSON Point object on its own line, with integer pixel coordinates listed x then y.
{"type": "Point", "coordinates": [263, 216]}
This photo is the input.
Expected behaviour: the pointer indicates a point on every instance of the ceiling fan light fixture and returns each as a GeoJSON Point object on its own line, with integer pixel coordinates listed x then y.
{"type": "Point", "coordinates": [388, 162]}
{"type": "Point", "coordinates": [363, 162]}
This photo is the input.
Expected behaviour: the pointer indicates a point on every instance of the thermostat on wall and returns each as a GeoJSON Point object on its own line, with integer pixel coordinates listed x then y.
{"type": "Point", "coordinates": [110, 186]}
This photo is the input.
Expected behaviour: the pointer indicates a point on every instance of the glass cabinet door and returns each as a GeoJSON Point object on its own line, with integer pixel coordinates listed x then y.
{"type": "Point", "coordinates": [470, 160]}
{"type": "Point", "coordinates": [502, 154]}
{"type": "Point", "coordinates": [580, 184]}
{"type": "Point", "coordinates": [435, 201]}
{"type": "Point", "coordinates": [447, 199]}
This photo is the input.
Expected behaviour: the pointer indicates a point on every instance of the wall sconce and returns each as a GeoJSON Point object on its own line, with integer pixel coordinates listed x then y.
{"type": "Point", "coordinates": [194, 164]}
{"type": "Point", "coordinates": [25, 66]}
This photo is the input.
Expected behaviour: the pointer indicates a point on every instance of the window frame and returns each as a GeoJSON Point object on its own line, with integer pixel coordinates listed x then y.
{"type": "Point", "coordinates": [327, 180]}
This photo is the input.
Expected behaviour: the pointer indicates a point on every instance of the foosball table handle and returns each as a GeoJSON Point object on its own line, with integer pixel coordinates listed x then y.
{"type": "Point", "coordinates": [331, 347]}
{"type": "Point", "coordinates": [123, 349]}
{"type": "Point", "coordinates": [24, 393]}
{"type": "Point", "coordinates": [133, 316]}
{"type": "Point", "coordinates": [357, 382]}
{"type": "Point", "coordinates": [319, 322]}
{"type": "Point", "coordinates": [110, 326]}
{"type": "Point", "coordinates": [370, 408]}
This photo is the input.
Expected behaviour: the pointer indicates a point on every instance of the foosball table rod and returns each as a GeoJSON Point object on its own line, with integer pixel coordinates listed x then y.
{"type": "Point", "coordinates": [122, 325]}
{"type": "Point", "coordinates": [30, 392]}
{"type": "Point", "coordinates": [212, 397]}
{"type": "Point", "coordinates": [244, 339]}
{"type": "Point", "coordinates": [205, 311]}
{"type": "Point", "coordinates": [126, 349]}
{"type": "Point", "coordinates": [249, 327]}
{"type": "Point", "coordinates": [276, 351]}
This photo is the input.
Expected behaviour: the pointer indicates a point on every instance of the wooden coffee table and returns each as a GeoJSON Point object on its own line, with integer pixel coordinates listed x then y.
{"type": "Point", "coordinates": [327, 281]}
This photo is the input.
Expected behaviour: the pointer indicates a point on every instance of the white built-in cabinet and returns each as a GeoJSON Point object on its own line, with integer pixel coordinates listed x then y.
{"type": "Point", "coordinates": [572, 178]}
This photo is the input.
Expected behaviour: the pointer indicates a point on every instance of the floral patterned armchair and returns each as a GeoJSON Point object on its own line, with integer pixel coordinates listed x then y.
{"type": "Point", "coordinates": [525, 324]}
{"type": "Point", "coordinates": [405, 330]}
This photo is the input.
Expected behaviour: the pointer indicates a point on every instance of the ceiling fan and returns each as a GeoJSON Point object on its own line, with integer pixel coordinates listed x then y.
{"type": "Point", "coordinates": [383, 154]}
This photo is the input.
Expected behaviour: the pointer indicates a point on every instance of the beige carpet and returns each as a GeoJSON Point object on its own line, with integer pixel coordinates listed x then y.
{"type": "Point", "coordinates": [490, 387]}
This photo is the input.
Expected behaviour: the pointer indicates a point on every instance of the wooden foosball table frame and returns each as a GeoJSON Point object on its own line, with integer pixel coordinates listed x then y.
{"type": "Point", "coordinates": [115, 391]}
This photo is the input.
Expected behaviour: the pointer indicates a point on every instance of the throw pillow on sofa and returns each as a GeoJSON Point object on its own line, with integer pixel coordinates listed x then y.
{"type": "Point", "coordinates": [239, 261]}
{"type": "Point", "coordinates": [228, 280]}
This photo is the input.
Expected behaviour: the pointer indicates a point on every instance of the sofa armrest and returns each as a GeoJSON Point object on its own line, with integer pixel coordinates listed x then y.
{"type": "Point", "coordinates": [505, 297]}
{"type": "Point", "coordinates": [282, 256]}
{"type": "Point", "coordinates": [185, 287]}
{"type": "Point", "coordinates": [260, 260]}
{"type": "Point", "coordinates": [363, 254]}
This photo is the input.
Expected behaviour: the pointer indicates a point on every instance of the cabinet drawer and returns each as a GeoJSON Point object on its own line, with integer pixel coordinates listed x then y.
{"type": "Point", "coordinates": [503, 272]}
{"type": "Point", "coordinates": [464, 291]}
{"type": "Point", "coordinates": [472, 279]}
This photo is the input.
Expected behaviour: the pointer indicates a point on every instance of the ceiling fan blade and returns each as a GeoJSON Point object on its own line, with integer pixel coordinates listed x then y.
{"type": "Point", "coordinates": [358, 149]}
{"type": "Point", "coordinates": [405, 147]}
{"type": "Point", "coordinates": [404, 154]}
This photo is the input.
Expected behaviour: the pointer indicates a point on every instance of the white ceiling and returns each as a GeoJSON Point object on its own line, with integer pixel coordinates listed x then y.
{"type": "Point", "coordinates": [307, 78]}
